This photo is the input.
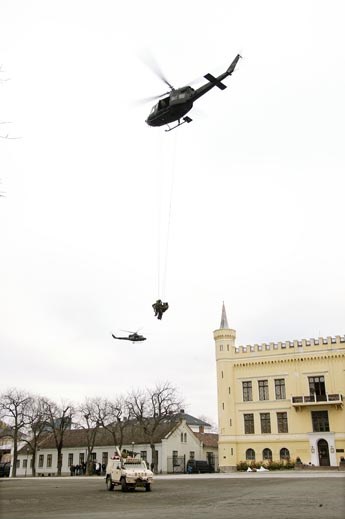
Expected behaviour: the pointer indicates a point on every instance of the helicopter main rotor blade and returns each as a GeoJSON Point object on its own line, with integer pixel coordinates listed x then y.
{"type": "Point", "coordinates": [149, 99]}
{"type": "Point", "coordinates": [151, 62]}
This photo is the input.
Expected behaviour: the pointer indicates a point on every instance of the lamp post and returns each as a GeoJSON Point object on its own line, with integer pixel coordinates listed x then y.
{"type": "Point", "coordinates": [132, 449]}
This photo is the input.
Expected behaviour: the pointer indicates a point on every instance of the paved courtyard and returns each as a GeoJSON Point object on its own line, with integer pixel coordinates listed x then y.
{"type": "Point", "coordinates": [248, 495]}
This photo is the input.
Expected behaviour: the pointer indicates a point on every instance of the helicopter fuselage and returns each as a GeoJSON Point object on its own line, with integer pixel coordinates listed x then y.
{"type": "Point", "coordinates": [133, 337]}
{"type": "Point", "coordinates": [172, 107]}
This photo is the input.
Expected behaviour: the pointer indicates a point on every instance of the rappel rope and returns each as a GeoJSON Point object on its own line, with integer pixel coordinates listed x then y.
{"type": "Point", "coordinates": [172, 181]}
{"type": "Point", "coordinates": [163, 255]}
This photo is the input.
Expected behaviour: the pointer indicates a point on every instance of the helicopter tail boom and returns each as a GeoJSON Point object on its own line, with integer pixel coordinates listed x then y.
{"type": "Point", "coordinates": [215, 81]}
{"type": "Point", "coordinates": [233, 65]}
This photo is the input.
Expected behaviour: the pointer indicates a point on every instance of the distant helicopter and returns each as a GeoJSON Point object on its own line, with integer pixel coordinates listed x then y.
{"type": "Point", "coordinates": [180, 101]}
{"type": "Point", "coordinates": [133, 336]}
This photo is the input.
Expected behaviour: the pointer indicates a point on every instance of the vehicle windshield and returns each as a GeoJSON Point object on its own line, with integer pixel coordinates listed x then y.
{"type": "Point", "coordinates": [135, 464]}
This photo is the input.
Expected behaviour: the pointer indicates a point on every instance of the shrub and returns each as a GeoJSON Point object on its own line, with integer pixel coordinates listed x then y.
{"type": "Point", "coordinates": [270, 465]}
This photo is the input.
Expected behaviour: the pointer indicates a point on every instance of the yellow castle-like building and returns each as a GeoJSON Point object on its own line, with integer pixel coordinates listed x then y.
{"type": "Point", "coordinates": [280, 401]}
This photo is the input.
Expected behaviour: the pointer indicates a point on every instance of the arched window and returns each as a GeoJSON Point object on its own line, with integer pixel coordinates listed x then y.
{"type": "Point", "coordinates": [267, 455]}
{"type": "Point", "coordinates": [284, 454]}
{"type": "Point", "coordinates": [250, 454]}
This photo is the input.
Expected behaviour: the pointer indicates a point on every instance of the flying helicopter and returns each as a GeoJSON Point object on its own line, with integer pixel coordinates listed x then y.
{"type": "Point", "coordinates": [180, 101]}
{"type": "Point", "coordinates": [133, 336]}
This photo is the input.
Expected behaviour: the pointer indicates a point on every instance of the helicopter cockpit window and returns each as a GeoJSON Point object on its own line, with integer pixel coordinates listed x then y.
{"type": "Point", "coordinates": [153, 109]}
{"type": "Point", "coordinates": [181, 96]}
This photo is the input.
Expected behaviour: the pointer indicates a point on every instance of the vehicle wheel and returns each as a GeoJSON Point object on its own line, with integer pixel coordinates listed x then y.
{"type": "Point", "coordinates": [109, 483]}
{"type": "Point", "coordinates": [148, 487]}
{"type": "Point", "coordinates": [124, 486]}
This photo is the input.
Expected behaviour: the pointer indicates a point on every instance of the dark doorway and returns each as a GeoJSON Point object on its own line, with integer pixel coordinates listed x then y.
{"type": "Point", "coordinates": [322, 446]}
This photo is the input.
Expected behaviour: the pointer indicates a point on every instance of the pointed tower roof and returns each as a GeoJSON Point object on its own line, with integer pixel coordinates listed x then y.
{"type": "Point", "coordinates": [224, 320]}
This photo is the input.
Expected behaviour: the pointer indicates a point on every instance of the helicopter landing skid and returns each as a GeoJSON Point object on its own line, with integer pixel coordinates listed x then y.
{"type": "Point", "coordinates": [185, 120]}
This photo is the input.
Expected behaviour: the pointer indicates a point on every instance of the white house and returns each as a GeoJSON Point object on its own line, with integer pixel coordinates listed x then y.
{"type": "Point", "coordinates": [175, 443]}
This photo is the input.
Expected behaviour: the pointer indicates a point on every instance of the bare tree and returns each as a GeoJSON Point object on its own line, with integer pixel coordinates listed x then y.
{"type": "Point", "coordinates": [89, 420]}
{"type": "Point", "coordinates": [6, 136]}
{"type": "Point", "coordinates": [59, 420]}
{"type": "Point", "coordinates": [37, 419]}
{"type": "Point", "coordinates": [112, 415]}
{"type": "Point", "coordinates": [204, 418]}
{"type": "Point", "coordinates": [14, 405]}
{"type": "Point", "coordinates": [151, 407]}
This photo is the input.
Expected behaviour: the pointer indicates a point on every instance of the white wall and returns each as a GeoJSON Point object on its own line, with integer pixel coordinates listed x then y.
{"type": "Point", "coordinates": [165, 449]}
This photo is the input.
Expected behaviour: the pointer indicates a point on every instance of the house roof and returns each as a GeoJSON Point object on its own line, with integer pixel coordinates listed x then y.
{"type": "Point", "coordinates": [132, 433]}
{"type": "Point", "coordinates": [190, 420]}
{"type": "Point", "coordinates": [208, 439]}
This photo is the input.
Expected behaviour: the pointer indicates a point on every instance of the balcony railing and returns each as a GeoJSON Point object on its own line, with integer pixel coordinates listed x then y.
{"type": "Point", "coordinates": [328, 398]}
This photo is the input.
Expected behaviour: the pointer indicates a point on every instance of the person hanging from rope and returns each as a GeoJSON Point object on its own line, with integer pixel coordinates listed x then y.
{"type": "Point", "coordinates": [159, 308]}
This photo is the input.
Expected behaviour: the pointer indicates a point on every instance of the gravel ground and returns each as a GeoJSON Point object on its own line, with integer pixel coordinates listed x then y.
{"type": "Point", "coordinates": [272, 496]}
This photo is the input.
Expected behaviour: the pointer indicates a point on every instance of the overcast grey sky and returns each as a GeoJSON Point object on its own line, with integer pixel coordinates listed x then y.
{"type": "Point", "coordinates": [257, 184]}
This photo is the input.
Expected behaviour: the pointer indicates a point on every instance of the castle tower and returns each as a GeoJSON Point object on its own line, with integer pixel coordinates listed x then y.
{"type": "Point", "coordinates": [280, 401]}
{"type": "Point", "coordinates": [224, 345]}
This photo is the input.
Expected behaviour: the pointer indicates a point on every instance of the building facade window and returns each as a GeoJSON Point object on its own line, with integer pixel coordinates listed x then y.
{"type": "Point", "coordinates": [282, 422]}
{"type": "Point", "coordinates": [279, 385]}
{"type": "Point", "coordinates": [265, 420]}
{"type": "Point", "coordinates": [40, 460]}
{"type": "Point", "coordinates": [94, 456]}
{"type": "Point", "coordinates": [192, 455]}
{"type": "Point", "coordinates": [70, 459]}
{"type": "Point", "coordinates": [250, 455]}
{"type": "Point", "coordinates": [267, 455]}
{"type": "Point", "coordinates": [18, 464]}
{"type": "Point", "coordinates": [81, 458]}
{"type": "Point", "coordinates": [247, 391]}
{"type": "Point", "coordinates": [320, 421]}
{"type": "Point", "coordinates": [284, 454]}
{"type": "Point", "coordinates": [248, 423]}
{"type": "Point", "coordinates": [263, 390]}
{"type": "Point", "coordinates": [49, 460]}
{"type": "Point", "coordinates": [317, 388]}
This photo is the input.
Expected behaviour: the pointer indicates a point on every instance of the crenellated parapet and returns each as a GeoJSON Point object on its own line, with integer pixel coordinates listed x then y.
{"type": "Point", "coordinates": [296, 345]}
